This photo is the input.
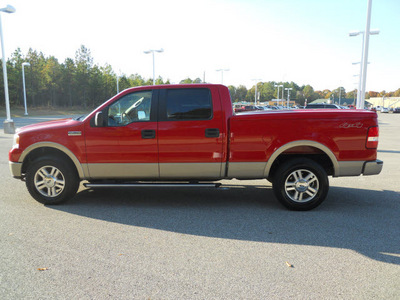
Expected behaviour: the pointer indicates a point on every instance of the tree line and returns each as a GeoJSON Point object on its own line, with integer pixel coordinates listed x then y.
{"type": "Point", "coordinates": [79, 82]}
{"type": "Point", "coordinates": [75, 82]}
{"type": "Point", "coordinates": [267, 91]}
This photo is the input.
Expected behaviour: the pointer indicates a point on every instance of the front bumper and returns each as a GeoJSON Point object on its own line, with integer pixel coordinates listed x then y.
{"type": "Point", "coordinates": [372, 167]}
{"type": "Point", "coordinates": [16, 169]}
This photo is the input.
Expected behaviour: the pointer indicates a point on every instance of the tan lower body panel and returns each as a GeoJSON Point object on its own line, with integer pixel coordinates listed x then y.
{"type": "Point", "coordinates": [206, 171]}
{"type": "Point", "coordinates": [156, 171]}
{"type": "Point", "coordinates": [245, 170]}
{"type": "Point", "coordinates": [192, 170]}
{"type": "Point", "coordinates": [123, 171]}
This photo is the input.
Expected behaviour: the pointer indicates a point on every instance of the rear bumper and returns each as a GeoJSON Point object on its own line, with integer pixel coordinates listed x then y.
{"type": "Point", "coordinates": [356, 168]}
{"type": "Point", "coordinates": [15, 169]}
{"type": "Point", "coordinates": [372, 167]}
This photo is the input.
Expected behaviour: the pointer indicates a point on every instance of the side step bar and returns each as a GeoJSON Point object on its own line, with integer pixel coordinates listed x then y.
{"type": "Point", "coordinates": [154, 185]}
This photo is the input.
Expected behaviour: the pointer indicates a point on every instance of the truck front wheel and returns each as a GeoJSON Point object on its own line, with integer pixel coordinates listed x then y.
{"type": "Point", "coordinates": [51, 181]}
{"type": "Point", "coordinates": [301, 184]}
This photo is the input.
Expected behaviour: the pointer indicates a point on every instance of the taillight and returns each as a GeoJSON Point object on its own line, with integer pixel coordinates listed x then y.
{"type": "Point", "coordinates": [372, 137]}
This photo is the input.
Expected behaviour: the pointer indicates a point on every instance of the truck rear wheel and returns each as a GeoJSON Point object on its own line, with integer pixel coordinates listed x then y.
{"type": "Point", "coordinates": [51, 181]}
{"type": "Point", "coordinates": [301, 184]}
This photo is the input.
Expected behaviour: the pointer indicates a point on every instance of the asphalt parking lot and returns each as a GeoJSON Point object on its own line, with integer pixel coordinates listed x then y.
{"type": "Point", "coordinates": [235, 242]}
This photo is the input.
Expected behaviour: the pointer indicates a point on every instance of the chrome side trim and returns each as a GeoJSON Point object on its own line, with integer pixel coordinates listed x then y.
{"type": "Point", "coordinates": [246, 170]}
{"type": "Point", "coordinates": [154, 185]}
{"type": "Point", "coordinates": [56, 146]}
{"type": "Point", "coordinates": [123, 171]}
{"type": "Point", "coordinates": [190, 170]}
{"type": "Point", "coordinates": [287, 146]}
{"type": "Point", "coordinates": [74, 133]}
{"type": "Point", "coordinates": [15, 169]}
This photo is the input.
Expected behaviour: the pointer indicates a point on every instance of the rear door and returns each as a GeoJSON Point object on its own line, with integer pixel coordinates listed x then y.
{"type": "Point", "coordinates": [190, 132]}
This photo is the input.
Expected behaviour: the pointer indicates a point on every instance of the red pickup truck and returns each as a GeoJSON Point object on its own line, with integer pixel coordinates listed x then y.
{"type": "Point", "coordinates": [172, 135]}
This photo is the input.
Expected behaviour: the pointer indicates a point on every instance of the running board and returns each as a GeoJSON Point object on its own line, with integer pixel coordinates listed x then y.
{"type": "Point", "coordinates": [154, 185]}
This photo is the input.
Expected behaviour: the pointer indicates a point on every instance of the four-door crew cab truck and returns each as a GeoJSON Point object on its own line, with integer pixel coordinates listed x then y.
{"type": "Point", "coordinates": [175, 134]}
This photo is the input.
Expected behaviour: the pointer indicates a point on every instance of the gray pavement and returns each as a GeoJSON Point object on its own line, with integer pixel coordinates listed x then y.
{"type": "Point", "coordinates": [228, 243]}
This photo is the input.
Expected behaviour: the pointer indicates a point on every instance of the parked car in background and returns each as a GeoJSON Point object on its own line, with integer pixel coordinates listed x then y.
{"type": "Point", "coordinates": [263, 108]}
{"type": "Point", "coordinates": [351, 106]}
{"type": "Point", "coordinates": [238, 108]}
{"type": "Point", "coordinates": [396, 110]}
{"type": "Point", "coordinates": [250, 108]}
{"type": "Point", "coordinates": [322, 105]}
{"type": "Point", "coordinates": [384, 110]}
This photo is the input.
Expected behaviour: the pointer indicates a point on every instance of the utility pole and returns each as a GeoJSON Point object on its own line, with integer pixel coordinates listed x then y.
{"type": "Point", "coordinates": [288, 95]}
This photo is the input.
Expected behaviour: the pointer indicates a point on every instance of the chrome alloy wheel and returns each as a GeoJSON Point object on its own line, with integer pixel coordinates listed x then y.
{"type": "Point", "coordinates": [49, 181]}
{"type": "Point", "coordinates": [301, 185]}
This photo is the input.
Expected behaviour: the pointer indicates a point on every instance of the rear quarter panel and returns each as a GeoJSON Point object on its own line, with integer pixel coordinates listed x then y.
{"type": "Point", "coordinates": [255, 137]}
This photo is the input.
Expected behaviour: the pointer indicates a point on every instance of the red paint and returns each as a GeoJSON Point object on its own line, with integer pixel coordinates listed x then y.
{"type": "Point", "coordinates": [243, 138]}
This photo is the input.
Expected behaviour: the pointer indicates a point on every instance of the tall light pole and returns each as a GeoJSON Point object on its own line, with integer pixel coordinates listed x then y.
{"type": "Point", "coordinates": [222, 74]}
{"type": "Point", "coordinates": [360, 73]}
{"type": "Point", "coordinates": [255, 92]}
{"type": "Point", "coordinates": [23, 84]}
{"type": "Point", "coordinates": [278, 86]}
{"type": "Point", "coordinates": [117, 84]}
{"type": "Point", "coordinates": [288, 95]}
{"type": "Point", "coordinates": [360, 91]}
{"type": "Point", "coordinates": [364, 57]}
{"type": "Point", "coordinates": [340, 94]}
{"type": "Point", "coordinates": [8, 123]}
{"type": "Point", "coordinates": [152, 52]}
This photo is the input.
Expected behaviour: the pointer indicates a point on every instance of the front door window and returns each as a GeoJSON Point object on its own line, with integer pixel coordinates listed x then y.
{"type": "Point", "coordinates": [130, 108]}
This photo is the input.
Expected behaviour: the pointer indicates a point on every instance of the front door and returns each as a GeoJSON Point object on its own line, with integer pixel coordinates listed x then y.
{"type": "Point", "coordinates": [125, 146]}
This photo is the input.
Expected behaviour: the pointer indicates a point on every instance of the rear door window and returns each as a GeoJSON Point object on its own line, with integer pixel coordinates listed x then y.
{"type": "Point", "coordinates": [188, 104]}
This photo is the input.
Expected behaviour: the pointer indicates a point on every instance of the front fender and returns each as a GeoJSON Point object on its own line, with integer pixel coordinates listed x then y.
{"type": "Point", "coordinates": [81, 168]}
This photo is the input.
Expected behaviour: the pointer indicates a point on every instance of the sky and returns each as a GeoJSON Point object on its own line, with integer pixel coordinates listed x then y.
{"type": "Point", "coordinates": [305, 41]}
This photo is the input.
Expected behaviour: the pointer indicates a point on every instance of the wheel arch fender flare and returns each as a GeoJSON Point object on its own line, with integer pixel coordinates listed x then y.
{"type": "Point", "coordinates": [65, 150]}
{"type": "Point", "coordinates": [290, 145]}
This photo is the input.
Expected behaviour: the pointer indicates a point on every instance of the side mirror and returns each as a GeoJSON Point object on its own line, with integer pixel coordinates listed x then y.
{"type": "Point", "coordinates": [98, 119]}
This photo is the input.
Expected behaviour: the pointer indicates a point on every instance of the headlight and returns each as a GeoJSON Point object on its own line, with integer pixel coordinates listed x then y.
{"type": "Point", "coordinates": [16, 140]}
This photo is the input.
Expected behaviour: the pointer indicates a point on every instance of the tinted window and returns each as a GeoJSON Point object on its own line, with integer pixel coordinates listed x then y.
{"type": "Point", "coordinates": [332, 106]}
{"type": "Point", "coordinates": [130, 108]}
{"type": "Point", "coordinates": [316, 106]}
{"type": "Point", "coordinates": [189, 104]}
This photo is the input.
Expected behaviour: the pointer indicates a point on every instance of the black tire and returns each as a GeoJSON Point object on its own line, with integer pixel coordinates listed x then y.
{"type": "Point", "coordinates": [51, 181]}
{"type": "Point", "coordinates": [300, 184]}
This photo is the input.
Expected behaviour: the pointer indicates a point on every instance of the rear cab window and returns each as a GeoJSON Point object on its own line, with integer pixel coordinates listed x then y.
{"type": "Point", "coordinates": [186, 104]}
